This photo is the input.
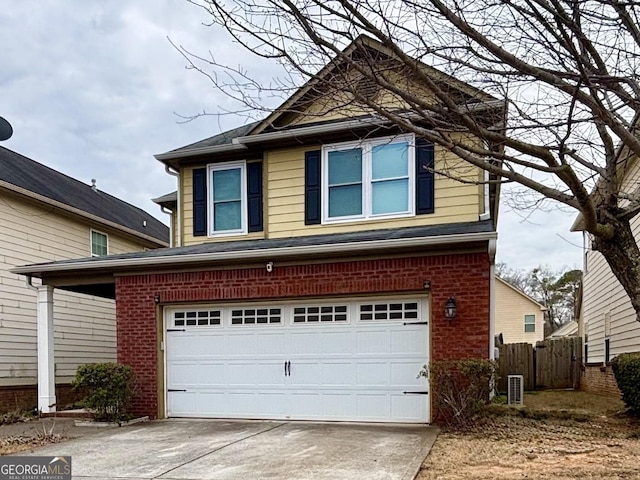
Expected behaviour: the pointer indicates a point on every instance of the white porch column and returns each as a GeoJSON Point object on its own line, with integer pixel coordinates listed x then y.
{"type": "Point", "coordinates": [46, 359]}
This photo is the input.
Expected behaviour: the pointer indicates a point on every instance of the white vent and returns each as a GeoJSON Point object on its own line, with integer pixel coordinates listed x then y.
{"type": "Point", "coordinates": [515, 389]}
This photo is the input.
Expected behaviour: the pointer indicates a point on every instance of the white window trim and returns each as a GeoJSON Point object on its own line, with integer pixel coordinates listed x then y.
{"type": "Point", "coordinates": [243, 198]}
{"type": "Point", "coordinates": [366, 146]}
{"type": "Point", "coordinates": [535, 321]}
{"type": "Point", "coordinates": [91, 242]}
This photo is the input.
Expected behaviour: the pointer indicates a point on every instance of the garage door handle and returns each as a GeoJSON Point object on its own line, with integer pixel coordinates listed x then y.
{"type": "Point", "coordinates": [175, 390]}
{"type": "Point", "coordinates": [416, 323]}
{"type": "Point", "coordinates": [416, 393]}
{"type": "Point", "coordinates": [285, 368]}
{"type": "Point", "coordinates": [289, 367]}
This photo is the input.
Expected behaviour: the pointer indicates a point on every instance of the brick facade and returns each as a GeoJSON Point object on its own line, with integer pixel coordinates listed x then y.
{"type": "Point", "coordinates": [465, 276]}
{"type": "Point", "coordinates": [25, 397]}
{"type": "Point", "coordinates": [599, 380]}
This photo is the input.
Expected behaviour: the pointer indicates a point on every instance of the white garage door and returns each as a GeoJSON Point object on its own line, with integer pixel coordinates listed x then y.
{"type": "Point", "coordinates": [345, 360]}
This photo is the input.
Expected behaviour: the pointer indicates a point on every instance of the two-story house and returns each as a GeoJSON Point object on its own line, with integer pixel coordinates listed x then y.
{"type": "Point", "coordinates": [320, 262]}
{"type": "Point", "coordinates": [48, 216]}
{"type": "Point", "coordinates": [518, 317]}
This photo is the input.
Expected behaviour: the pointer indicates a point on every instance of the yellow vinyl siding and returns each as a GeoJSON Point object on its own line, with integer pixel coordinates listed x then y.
{"type": "Point", "coordinates": [511, 307]}
{"type": "Point", "coordinates": [454, 201]}
{"type": "Point", "coordinates": [84, 326]}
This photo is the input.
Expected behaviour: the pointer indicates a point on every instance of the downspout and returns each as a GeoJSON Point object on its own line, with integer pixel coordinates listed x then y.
{"type": "Point", "coordinates": [486, 215]}
{"type": "Point", "coordinates": [28, 280]}
{"type": "Point", "coordinates": [173, 173]}
{"type": "Point", "coordinates": [170, 213]}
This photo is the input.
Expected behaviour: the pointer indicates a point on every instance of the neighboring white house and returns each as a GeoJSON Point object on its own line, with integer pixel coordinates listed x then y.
{"type": "Point", "coordinates": [608, 321]}
{"type": "Point", "coordinates": [569, 329]}
{"type": "Point", "coordinates": [519, 318]}
{"type": "Point", "coordinates": [46, 216]}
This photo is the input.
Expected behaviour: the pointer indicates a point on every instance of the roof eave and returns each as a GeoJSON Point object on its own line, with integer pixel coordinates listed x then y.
{"type": "Point", "coordinates": [39, 270]}
{"type": "Point", "coordinates": [76, 211]}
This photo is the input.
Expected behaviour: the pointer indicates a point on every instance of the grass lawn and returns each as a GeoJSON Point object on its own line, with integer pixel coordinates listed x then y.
{"type": "Point", "coordinates": [556, 435]}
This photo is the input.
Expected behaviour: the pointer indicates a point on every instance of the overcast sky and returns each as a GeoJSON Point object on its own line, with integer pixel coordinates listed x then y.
{"type": "Point", "coordinates": [92, 89]}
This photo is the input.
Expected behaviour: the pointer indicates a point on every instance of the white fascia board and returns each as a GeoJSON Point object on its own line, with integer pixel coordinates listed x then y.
{"type": "Point", "coordinates": [270, 253]}
{"type": "Point", "coordinates": [226, 147]}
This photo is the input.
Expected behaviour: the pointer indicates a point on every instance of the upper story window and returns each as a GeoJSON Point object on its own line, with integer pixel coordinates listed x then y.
{"type": "Point", "coordinates": [529, 323]}
{"type": "Point", "coordinates": [368, 179]}
{"type": "Point", "coordinates": [227, 199]}
{"type": "Point", "coordinates": [99, 244]}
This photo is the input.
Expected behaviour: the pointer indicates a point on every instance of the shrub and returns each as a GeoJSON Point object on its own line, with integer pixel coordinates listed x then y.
{"type": "Point", "coordinates": [107, 389]}
{"type": "Point", "coordinates": [460, 389]}
{"type": "Point", "coordinates": [626, 368]}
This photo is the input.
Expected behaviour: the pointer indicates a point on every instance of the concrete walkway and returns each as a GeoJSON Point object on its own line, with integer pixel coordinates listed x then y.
{"type": "Point", "coordinates": [247, 450]}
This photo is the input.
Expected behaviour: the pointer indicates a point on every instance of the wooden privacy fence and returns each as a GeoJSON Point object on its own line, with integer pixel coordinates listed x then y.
{"type": "Point", "coordinates": [553, 363]}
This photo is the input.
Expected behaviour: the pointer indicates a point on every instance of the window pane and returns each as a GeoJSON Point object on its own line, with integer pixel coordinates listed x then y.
{"type": "Point", "coordinates": [390, 161]}
{"type": "Point", "coordinates": [345, 201]}
{"type": "Point", "coordinates": [530, 327]}
{"type": "Point", "coordinates": [98, 243]}
{"type": "Point", "coordinates": [529, 319]}
{"type": "Point", "coordinates": [227, 216]}
{"type": "Point", "coordinates": [226, 185]}
{"type": "Point", "coordinates": [345, 166]}
{"type": "Point", "coordinates": [390, 196]}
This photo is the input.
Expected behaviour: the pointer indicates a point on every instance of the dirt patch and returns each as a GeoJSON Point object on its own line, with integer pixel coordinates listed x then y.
{"type": "Point", "coordinates": [542, 442]}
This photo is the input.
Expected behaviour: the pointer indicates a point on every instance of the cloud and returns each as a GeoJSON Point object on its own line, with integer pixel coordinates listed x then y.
{"type": "Point", "coordinates": [91, 89]}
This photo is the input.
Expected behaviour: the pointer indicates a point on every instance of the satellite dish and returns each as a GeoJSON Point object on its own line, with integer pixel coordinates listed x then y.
{"type": "Point", "coordinates": [5, 129]}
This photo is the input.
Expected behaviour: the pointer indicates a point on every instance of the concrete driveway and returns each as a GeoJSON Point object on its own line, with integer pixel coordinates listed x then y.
{"type": "Point", "coordinates": [247, 450]}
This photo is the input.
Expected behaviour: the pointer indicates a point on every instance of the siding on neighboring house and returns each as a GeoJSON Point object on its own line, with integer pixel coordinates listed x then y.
{"type": "Point", "coordinates": [84, 326]}
{"type": "Point", "coordinates": [511, 307]}
{"type": "Point", "coordinates": [283, 183]}
{"type": "Point", "coordinates": [604, 298]}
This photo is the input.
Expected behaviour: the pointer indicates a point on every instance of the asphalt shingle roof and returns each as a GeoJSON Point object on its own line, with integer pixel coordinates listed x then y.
{"type": "Point", "coordinates": [35, 177]}
{"type": "Point", "coordinates": [310, 240]}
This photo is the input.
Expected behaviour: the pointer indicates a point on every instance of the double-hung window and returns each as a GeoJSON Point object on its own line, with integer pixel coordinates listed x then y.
{"type": "Point", "coordinates": [529, 323]}
{"type": "Point", "coordinates": [368, 179]}
{"type": "Point", "coordinates": [99, 244]}
{"type": "Point", "coordinates": [227, 199]}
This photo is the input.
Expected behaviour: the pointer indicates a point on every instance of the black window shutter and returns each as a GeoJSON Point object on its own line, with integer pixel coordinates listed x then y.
{"type": "Point", "coordinates": [312, 188]}
{"type": "Point", "coordinates": [424, 177]}
{"type": "Point", "coordinates": [254, 196]}
{"type": "Point", "coordinates": [199, 202]}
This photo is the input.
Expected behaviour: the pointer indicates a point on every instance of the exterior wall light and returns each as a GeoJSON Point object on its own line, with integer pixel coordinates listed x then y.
{"type": "Point", "coordinates": [450, 309]}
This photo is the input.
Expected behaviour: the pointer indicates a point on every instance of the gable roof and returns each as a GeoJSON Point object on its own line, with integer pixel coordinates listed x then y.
{"type": "Point", "coordinates": [28, 177]}
{"type": "Point", "coordinates": [521, 293]}
{"type": "Point", "coordinates": [361, 44]}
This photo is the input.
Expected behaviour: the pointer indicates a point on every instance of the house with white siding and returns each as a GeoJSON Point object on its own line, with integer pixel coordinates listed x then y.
{"type": "Point", "coordinates": [607, 323]}
{"type": "Point", "coordinates": [47, 216]}
{"type": "Point", "coordinates": [519, 318]}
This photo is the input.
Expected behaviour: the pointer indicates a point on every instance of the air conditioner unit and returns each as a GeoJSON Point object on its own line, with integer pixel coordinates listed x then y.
{"type": "Point", "coordinates": [515, 389]}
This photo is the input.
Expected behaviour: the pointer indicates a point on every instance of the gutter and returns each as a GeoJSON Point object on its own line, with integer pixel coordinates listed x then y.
{"type": "Point", "coordinates": [79, 212]}
{"type": "Point", "coordinates": [271, 253]}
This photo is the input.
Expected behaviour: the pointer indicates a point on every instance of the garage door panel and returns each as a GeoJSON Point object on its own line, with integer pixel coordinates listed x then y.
{"type": "Point", "coordinates": [241, 344]}
{"type": "Point", "coordinates": [305, 373]}
{"type": "Point", "coordinates": [338, 374]}
{"type": "Point", "coordinates": [337, 342]}
{"type": "Point", "coordinates": [304, 343]}
{"type": "Point", "coordinates": [354, 366]}
{"type": "Point", "coordinates": [409, 340]}
{"type": "Point", "coordinates": [339, 406]}
{"type": "Point", "coordinates": [373, 374]}
{"type": "Point", "coordinates": [405, 373]}
{"type": "Point", "coordinates": [375, 342]}
{"type": "Point", "coordinates": [271, 344]}
{"type": "Point", "coordinates": [374, 406]}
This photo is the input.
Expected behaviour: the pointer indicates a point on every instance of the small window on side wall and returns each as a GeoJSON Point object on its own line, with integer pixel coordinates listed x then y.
{"type": "Point", "coordinates": [99, 244]}
{"type": "Point", "coordinates": [529, 323]}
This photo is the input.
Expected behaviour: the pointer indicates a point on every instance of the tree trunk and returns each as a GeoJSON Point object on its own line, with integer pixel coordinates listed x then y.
{"type": "Point", "coordinates": [623, 256]}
